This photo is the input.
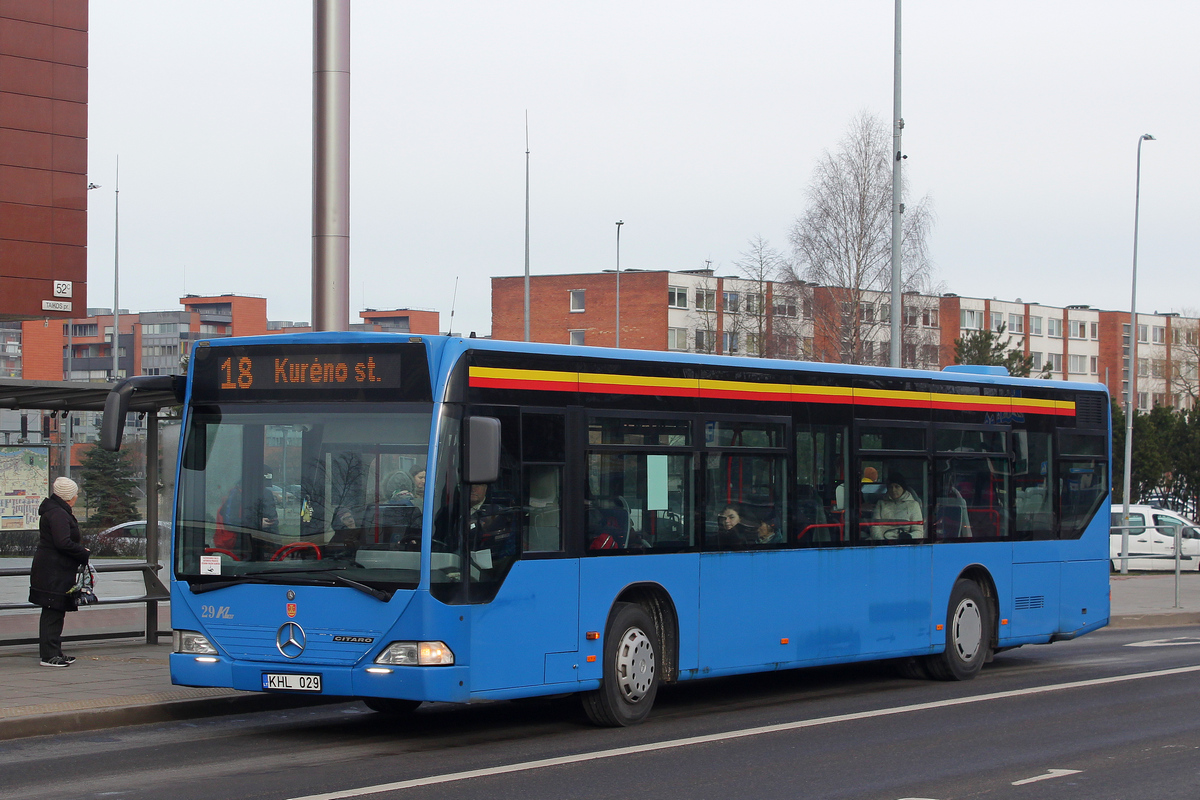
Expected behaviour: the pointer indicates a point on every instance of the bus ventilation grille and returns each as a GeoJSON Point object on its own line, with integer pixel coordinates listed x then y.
{"type": "Point", "coordinates": [1026, 603]}
{"type": "Point", "coordinates": [1089, 410]}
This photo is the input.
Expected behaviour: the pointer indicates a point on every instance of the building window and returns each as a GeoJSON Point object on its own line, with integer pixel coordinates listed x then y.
{"type": "Point", "coordinates": [972, 320]}
{"type": "Point", "coordinates": [576, 337]}
{"type": "Point", "coordinates": [1054, 327]}
{"type": "Point", "coordinates": [783, 306]}
{"type": "Point", "coordinates": [577, 303]}
{"type": "Point", "coordinates": [1095, 370]}
{"type": "Point", "coordinates": [1016, 323]}
{"type": "Point", "coordinates": [676, 297]}
{"type": "Point", "coordinates": [1055, 361]}
{"type": "Point", "coordinates": [754, 303]}
{"type": "Point", "coordinates": [706, 300]}
{"type": "Point", "coordinates": [1143, 398]}
{"type": "Point", "coordinates": [1160, 334]}
{"type": "Point", "coordinates": [1160, 399]}
{"type": "Point", "coordinates": [1077, 328]}
{"type": "Point", "coordinates": [730, 302]}
{"type": "Point", "coordinates": [1037, 360]}
{"type": "Point", "coordinates": [729, 342]}
{"type": "Point", "coordinates": [997, 321]}
{"type": "Point", "coordinates": [1035, 326]}
{"type": "Point", "coordinates": [1095, 330]}
{"type": "Point", "coordinates": [1158, 368]}
{"type": "Point", "coordinates": [1143, 333]}
{"type": "Point", "coordinates": [1143, 368]}
{"type": "Point", "coordinates": [705, 341]}
{"type": "Point", "coordinates": [677, 339]}
{"type": "Point", "coordinates": [1077, 365]}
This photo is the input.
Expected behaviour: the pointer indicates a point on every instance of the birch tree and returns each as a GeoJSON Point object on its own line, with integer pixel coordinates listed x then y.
{"type": "Point", "coordinates": [843, 240]}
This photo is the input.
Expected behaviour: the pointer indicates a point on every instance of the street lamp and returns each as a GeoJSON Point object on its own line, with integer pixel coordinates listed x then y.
{"type": "Point", "coordinates": [1131, 373]}
{"type": "Point", "coordinates": [619, 224]}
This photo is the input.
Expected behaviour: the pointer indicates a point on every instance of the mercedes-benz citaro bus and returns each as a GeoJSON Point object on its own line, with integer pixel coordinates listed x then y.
{"type": "Point", "coordinates": [406, 518]}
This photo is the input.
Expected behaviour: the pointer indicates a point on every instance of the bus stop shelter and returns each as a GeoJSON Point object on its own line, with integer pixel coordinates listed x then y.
{"type": "Point", "coordinates": [67, 396]}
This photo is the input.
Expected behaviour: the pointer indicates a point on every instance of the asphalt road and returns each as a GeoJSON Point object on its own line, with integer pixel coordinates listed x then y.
{"type": "Point", "coordinates": [1095, 719]}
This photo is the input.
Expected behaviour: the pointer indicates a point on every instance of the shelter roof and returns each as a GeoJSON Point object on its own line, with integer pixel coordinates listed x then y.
{"type": "Point", "coordinates": [16, 393]}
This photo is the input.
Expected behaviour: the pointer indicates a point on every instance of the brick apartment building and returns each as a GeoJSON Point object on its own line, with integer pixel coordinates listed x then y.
{"type": "Point", "coordinates": [697, 311]}
{"type": "Point", "coordinates": [43, 158]}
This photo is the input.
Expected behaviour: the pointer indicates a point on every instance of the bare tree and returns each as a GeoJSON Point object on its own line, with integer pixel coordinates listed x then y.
{"type": "Point", "coordinates": [770, 309]}
{"type": "Point", "coordinates": [843, 241]}
{"type": "Point", "coordinates": [707, 306]}
{"type": "Point", "coordinates": [1185, 360]}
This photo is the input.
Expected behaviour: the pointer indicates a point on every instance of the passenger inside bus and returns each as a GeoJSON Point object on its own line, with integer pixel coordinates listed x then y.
{"type": "Point", "coordinates": [737, 527]}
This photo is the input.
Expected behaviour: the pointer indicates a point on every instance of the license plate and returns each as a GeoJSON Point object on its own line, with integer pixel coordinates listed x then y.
{"type": "Point", "coordinates": [288, 682]}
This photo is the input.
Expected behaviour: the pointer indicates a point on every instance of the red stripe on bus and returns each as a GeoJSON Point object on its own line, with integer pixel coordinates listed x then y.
{"type": "Point", "coordinates": [523, 383]}
{"type": "Point", "coordinates": [630, 388]}
{"type": "Point", "coordinates": [736, 394]}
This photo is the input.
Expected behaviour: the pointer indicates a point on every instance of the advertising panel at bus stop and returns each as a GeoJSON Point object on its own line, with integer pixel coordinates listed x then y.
{"type": "Point", "coordinates": [24, 483]}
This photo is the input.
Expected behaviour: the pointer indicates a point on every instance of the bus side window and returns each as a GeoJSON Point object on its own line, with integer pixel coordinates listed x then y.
{"type": "Point", "coordinates": [820, 491]}
{"type": "Point", "coordinates": [543, 455]}
{"type": "Point", "coordinates": [1033, 485]}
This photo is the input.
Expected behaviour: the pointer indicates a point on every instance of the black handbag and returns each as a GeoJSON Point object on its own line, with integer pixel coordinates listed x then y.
{"type": "Point", "coordinates": [83, 593]}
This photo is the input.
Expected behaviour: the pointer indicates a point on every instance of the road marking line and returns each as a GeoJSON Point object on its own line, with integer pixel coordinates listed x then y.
{"type": "Point", "coordinates": [1054, 773]}
{"type": "Point", "coordinates": [1164, 642]}
{"type": "Point", "coordinates": [671, 744]}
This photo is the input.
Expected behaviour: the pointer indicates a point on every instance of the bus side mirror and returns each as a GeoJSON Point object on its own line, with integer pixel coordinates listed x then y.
{"type": "Point", "coordinates": [483, 450]}
{"type": "Point", "coordinates": [116, 405]}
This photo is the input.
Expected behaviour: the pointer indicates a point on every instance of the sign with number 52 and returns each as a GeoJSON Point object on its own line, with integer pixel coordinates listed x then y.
{"type": "Point", "coordinates": [62, 288]}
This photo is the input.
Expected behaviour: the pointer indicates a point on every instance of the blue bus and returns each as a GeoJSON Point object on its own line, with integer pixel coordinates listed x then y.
{"type": "Point", "coordinates": [419, 518]}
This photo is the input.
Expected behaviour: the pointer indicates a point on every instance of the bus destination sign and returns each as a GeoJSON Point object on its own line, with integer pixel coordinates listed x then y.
{"type": "Point", "coordinates": [232, 373]}
{"type": "Point", "coordinates": [279, 371]}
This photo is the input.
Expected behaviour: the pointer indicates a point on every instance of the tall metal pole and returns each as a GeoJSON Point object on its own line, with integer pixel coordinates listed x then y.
{"type": "Point", "coordinates": [527, 226]}
{"type": "Point", "coordinates": [331, 165]}
{"type": "Point", "coordinates": [619, 224]}
{"type": "Point", "coordinates": [1132, 370]}
{"type": "Point", "coordinates": [116, 340]}
{"type": "Point", "coordinates": [897, 207]}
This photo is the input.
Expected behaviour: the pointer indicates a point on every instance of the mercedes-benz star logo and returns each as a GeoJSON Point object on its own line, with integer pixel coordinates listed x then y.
{"type": "Point", "coordinates": [290, 640]}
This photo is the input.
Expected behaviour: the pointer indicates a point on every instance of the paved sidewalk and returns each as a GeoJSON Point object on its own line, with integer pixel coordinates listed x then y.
{"type": "Point", "coordinates": [129, 683]}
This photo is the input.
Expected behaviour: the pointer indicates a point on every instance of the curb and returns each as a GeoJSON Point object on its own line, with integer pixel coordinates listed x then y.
{"type": "Point", "coordinates": [1161, 619]}
{"type": "Point", "coordinates": [91, 719]}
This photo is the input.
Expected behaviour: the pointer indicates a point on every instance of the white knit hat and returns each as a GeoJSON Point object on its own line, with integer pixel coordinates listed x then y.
{"type": "Point", "coordinates": [66, 488]}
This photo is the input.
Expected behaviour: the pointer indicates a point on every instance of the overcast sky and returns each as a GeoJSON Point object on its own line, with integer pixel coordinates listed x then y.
{"type": "Point", "coordinates": [697, 123]}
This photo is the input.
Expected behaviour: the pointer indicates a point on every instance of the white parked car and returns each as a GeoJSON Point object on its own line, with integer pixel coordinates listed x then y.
{"type": "Point", "coordinates": [1153, 534]}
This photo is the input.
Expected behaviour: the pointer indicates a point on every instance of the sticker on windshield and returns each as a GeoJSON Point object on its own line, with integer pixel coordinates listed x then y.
{"type": "Point", "coordinates": [210, 565]}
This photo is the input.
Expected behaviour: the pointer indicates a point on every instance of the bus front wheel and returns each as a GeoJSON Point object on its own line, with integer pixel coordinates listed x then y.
{"type": "Point", "coordinates": [631, 670]}
{"type": "Point", "coordinates": [968, 635]}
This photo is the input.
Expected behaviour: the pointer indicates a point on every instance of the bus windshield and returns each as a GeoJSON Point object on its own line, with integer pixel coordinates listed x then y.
{"type": "Point", "coordinates": [275, 489]}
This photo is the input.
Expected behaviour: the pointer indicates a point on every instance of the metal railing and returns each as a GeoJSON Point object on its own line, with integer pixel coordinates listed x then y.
{"type": "Point", "coordinates": [1177, 556]}
{"type": "Point", "coordinates": [156, 592]}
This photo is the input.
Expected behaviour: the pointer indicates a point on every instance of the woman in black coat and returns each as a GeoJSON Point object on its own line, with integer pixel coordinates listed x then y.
{"type": "Point", "coordinates": [55, 564]}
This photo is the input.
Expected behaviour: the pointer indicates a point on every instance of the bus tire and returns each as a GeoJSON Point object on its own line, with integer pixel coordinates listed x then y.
{"type": "Point", "coordinates": [968, 635]}
{"type": "Point", "coordinates": [391, 705]}
{"type": "Point", "coordinates": [912, 668]}
{"type": "Point", "coordinates": [632, 656]}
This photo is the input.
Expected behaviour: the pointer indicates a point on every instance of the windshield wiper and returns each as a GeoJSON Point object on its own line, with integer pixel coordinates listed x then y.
{"type": "Point", "coordinates": [322, 577]}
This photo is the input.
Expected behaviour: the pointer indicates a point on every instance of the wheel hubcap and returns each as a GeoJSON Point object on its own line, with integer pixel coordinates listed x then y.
{"type": "Point", "coordinates": [635, 665]}
{"type": "Point", "coordinates": [968, 630]}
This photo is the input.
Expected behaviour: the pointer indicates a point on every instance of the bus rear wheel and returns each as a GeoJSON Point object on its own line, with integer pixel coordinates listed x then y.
{"type": "Point", "coordinates": [391, 706]}
{"type": "Point", "coordinates": [968, 635]}
{"type": "Point", "coordinates": [631, 670]}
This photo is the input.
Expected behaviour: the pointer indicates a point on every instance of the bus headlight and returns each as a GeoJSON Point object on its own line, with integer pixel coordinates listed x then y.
{"type": "Point", "coordinates": [193, 642]}
{"type": "Point", "coordinates": [412, 654]}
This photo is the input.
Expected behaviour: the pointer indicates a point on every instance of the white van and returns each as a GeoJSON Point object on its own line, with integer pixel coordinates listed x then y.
{"type": "Point", "coordinates": [1153, 534]}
